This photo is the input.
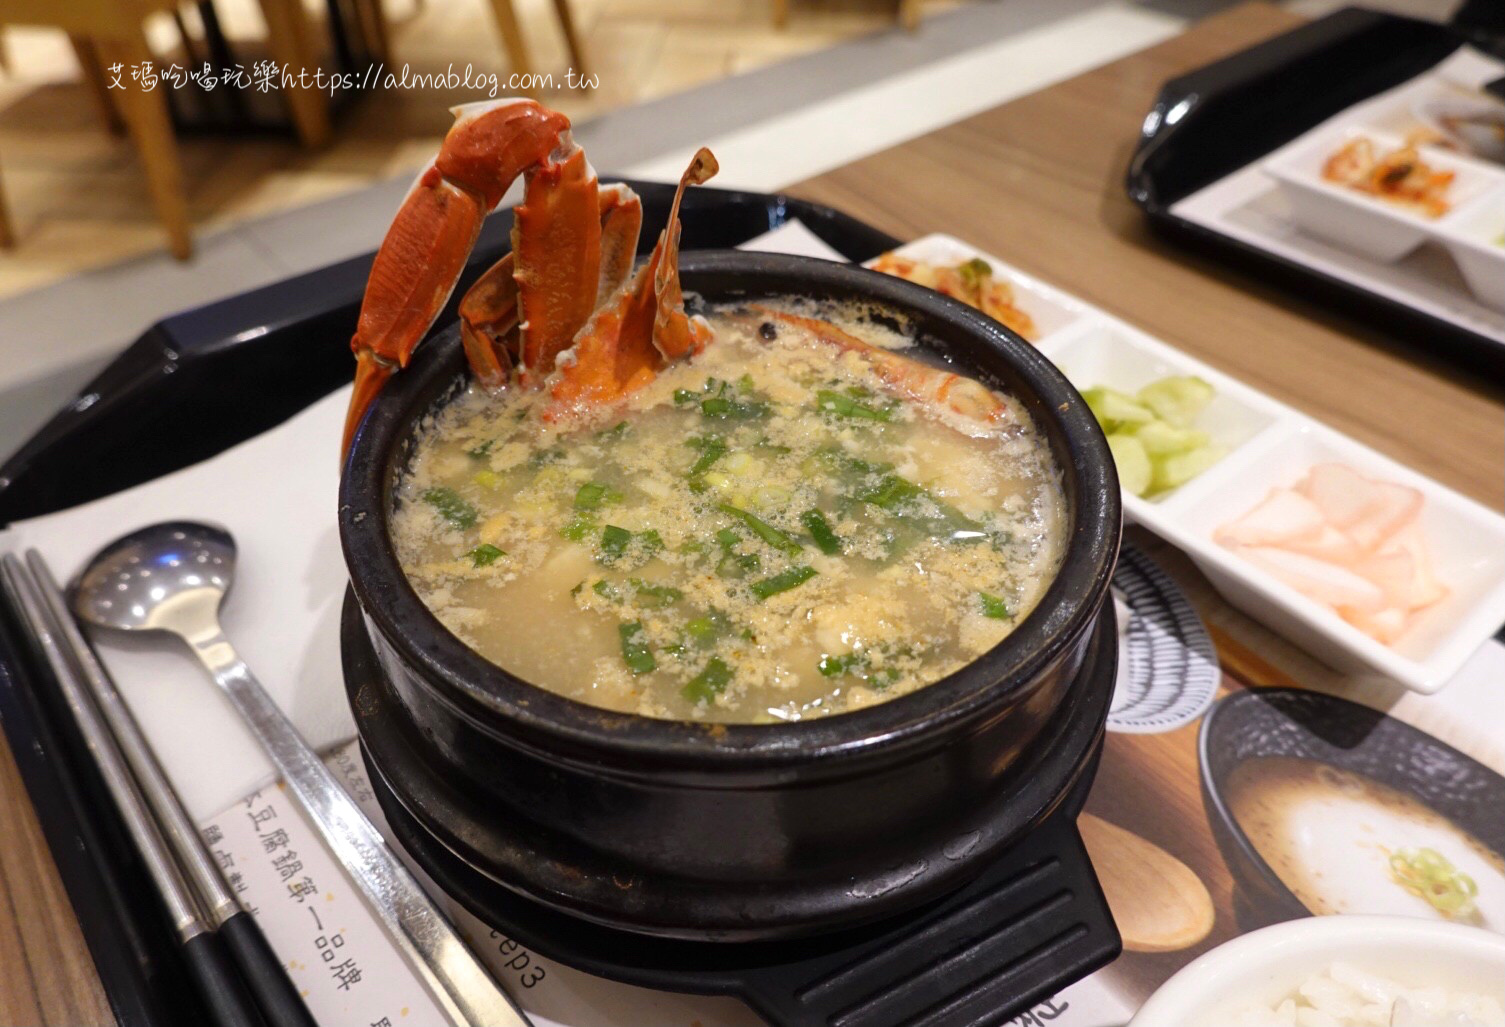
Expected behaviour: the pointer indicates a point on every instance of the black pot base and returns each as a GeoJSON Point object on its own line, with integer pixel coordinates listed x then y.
{"type": "Point", "coordinates": [1030, 923]}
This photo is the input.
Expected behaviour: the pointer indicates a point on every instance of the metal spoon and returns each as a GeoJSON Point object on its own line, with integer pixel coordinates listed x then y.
{"type": "Point", "coordinates": [172, 577]}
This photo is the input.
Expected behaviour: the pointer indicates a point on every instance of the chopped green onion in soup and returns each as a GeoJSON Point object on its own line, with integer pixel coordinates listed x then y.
{"type": "Point", "coordinates": [764, 532]}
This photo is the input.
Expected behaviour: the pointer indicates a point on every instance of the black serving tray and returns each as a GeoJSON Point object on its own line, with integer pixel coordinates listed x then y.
{"type": "Point", "coordinates": [195, 384]}
{"type": "Point", "coordinates": [1235, 111]}
{"type": "Point", "coordinates": [198, 382]}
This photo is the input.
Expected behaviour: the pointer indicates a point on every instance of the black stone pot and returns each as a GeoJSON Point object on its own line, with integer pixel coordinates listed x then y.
{"type": "Point", "coordinates": [743, 832]}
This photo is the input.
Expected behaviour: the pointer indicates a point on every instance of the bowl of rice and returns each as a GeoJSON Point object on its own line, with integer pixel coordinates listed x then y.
{"type": "Point", "coordinates": [1340, 971]}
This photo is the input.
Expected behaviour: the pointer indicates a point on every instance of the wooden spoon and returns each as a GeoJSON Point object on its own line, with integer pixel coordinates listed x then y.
{"type": "Point", "coordinates": [1160, 904]}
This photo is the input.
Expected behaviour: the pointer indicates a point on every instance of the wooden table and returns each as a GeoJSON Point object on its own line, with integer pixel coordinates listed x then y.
{"type": "Point", "coordinates": [1039, 183]}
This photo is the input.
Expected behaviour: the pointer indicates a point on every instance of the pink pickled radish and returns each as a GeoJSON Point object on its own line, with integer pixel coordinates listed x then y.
{"type": "Point", "coordinates": [1394, 572]}
{"type": "Point", "coordinates": [1342, 493]}
{"type": "Point", "coordinates": [1393, 507]}
{"type": "Point", "coordinates": [1350, 542]}
{"type": "Point", "coordinates": [1383, 626]}
{"type": "Point", "coordinates": [1425, 588]}
{"type": "Point", "coordinates": [1329, 544]}
{"type": "Point", "coordinates": [1325, 582]}
{"type": "Point", "coordinates": [1283, 516]}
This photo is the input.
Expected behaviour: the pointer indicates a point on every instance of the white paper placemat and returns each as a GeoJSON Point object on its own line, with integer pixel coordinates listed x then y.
{"type": "Point", "coordinates": [315, 920]}
{"type": "Point", "coordinates": [277, 495]}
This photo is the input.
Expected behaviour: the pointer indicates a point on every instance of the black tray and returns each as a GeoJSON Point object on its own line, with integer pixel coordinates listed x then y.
{"type": "Point", "coordinates": [191, 386]}
{"type": "Point", "coordinates": [1237, 110]}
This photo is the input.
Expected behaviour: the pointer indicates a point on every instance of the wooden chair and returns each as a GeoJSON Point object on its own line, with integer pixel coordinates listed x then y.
{"type": "Point", "coordinates": [111, 32]}
{"type": "Point", "coordinates": [106, 33]}
{"type": "Point", "coordinates": [907, 13]}
{"type": "Point", "coordinates": [375, 33]}
{"type": "Point", "coordinates": [371, 26]}
{"type": "Point", "coordinates": [291, 42]}
{"type": "Point", "coordinates": [517, 46]}
{"type": "Point", "coordinates": [7, 237]}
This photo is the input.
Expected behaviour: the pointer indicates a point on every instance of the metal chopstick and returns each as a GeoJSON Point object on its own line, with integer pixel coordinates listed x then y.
{"type": "Point", "coordinates": [219, 983]}
{"type": "Point", "coordinates": [261, 969]}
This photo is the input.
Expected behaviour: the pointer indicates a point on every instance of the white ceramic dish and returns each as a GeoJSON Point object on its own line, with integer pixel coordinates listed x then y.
{"type": "Point", "coordinates": [1270, 444]}
{"type": "Point", "coordinates": [1475, 237]}
{"type": "Point", "coordinates": [1269, 964]}
{"type": "Point", "coordinates": [1052, 310]}
{"type": "Point", "coordinates": [1467, 542]}
{"type": "Point", "coordinates": [1367, 224]}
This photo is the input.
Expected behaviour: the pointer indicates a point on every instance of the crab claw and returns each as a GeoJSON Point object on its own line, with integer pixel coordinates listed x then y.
{"type": "Point", "coordinates": [421, 258]}
{"type": "Point", "coordinates": [371, 373]}
{"type": "Point", "coordinates": [494, 340]}
{"type": "Point", "coordinates": [644, 326]}
{"type": "Point", "coordinates": [556, 246]}
{"type": "Point", "coordinates": [621, 223]}
{"type": "Point", "coordinates": [488, 320]}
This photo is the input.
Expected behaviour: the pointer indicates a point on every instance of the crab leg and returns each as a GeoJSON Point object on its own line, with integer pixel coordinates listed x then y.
{"type": "Point", "coordinates": [424, 251]}
{"type": "Point", "coordinates": [634, 334]}
{"type": "Point", "coordinates": [974, 403]}
{"type": "Point", "coordinates": [489, 310]}
{"type": "Point", "coordinates": [675, 334]}
{"type": "Point", "coordinates": [556, 245]}
{"type": "Point", "coordinates": [621, 223]}
{"type": "Point", "coordinates": [488, 319]}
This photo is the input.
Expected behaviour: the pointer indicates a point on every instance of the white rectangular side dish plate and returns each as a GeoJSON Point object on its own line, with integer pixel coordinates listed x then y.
{"type": "Point", "coordinates": [1270, 445]}
{"type": "Point", "coordinates": [1384, 230]}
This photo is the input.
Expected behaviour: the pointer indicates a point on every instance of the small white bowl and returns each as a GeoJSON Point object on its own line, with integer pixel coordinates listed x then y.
{"type": "Point", "coordinates": [1368, 225]}
{"type": "Point", "coordinates": [1269, 964]}
{"type": "Point", "coordinates": [1470, 124]}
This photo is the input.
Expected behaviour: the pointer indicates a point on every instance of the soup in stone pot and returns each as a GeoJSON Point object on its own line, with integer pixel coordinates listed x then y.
{"type": "Point", "coordinates": [769, 531]}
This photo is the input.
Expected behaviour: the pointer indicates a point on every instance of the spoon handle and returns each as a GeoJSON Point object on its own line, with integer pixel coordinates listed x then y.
{"type": "Point", "coordinates": [457, 979]}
